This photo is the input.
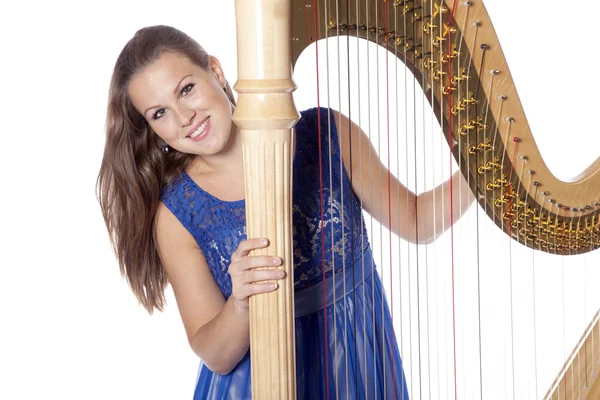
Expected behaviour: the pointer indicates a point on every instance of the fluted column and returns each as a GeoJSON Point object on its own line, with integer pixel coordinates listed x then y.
{"type": "Point", "coordinates": [266, 115]}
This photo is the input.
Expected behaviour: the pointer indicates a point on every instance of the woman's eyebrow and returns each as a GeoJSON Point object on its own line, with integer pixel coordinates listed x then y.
{"type": "Point", "coordinates": [174, 92]}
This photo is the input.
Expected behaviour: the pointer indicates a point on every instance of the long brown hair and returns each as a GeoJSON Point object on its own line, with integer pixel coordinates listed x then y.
{"type": "Point", "coordinates": [134, 167]}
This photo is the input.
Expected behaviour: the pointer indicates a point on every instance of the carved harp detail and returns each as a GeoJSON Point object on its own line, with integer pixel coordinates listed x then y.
{"type": "Point", "coordinates": [452, 49]}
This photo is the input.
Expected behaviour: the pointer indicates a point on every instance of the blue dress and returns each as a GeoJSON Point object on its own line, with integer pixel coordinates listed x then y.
{"type": "Point", "coordinates": [363, 359]}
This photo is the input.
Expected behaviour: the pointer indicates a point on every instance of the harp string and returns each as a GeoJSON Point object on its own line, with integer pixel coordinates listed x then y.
{"type": "Point", "coordinates": [321, 205]}
{"type": "Point", "coordinates": [380, 200]}
{"type": "Point", "coordinates": [335, 296]}
{"type": "Point", "coordinates": [424, 116]}
{"type": "Point", "coordinates": [401, 342]}
{"type": "Point", "coordinates": [389, 191]}
{"type": "Point", "coordinates": [362, 189]}
{"type": "Point", "coordinates": [465, 91]}
{"type": "Point", "coordinates": [485, 124]}
{"type": "Point", "coordinates": [475, 26]}
{"type": "Point", "coordinates": [370, 170]}
{"type": "Point", "coordinates": [510, 256]}
{"type": "Point", "coordinates": [532, 251]}
{"type": "Point", "coordinates": [435, 244]}
{"type": "Point", "coordinates": [451, 135]}
{"type": "Point", "coordinates": [343, 210]}
{"type": "Point", "coordinates": [416, 253]}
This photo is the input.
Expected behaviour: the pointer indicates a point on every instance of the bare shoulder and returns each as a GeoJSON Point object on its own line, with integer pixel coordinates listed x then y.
{"type": "Point", "coordinates": [199, 299]}
{"type": "Point", "coordinates": [351, 140]}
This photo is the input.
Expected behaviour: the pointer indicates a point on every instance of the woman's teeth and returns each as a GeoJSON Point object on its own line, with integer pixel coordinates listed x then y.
{"type": "Point", "coordinates": [200, 129]}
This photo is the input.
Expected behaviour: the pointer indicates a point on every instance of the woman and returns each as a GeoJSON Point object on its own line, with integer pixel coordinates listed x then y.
{"type": "Point", "coordinates": [172, 194]}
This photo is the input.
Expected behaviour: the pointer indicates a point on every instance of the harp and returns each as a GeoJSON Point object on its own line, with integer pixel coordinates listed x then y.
{"type": "Point", "coordinates": [452, 52]}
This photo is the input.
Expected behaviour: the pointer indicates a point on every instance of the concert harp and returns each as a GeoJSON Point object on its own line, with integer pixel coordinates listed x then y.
{"type": "Point", "coordinates": [454, 56]}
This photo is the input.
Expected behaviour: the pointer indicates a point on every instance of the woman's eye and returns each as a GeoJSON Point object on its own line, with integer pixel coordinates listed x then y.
{"type": "Point", "coordinates": [186, 89]}
{"type": "Point", "coordinates": [158, 113]}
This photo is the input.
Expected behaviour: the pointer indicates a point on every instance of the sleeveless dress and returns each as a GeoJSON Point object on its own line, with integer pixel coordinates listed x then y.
{"type": "Point", "coordinates": [362, 360]}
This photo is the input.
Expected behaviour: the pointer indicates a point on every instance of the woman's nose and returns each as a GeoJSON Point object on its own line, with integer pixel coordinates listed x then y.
{"type": "Point", "coordinates": [185, 115]}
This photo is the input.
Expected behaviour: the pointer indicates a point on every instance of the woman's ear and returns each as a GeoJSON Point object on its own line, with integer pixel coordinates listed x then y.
{"type": "Point", "coordinates": [215, 67]}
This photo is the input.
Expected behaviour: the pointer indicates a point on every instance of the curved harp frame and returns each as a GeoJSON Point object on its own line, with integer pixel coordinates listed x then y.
{"type": "Point", "coordinates": [460, 66]}
{"type": "Point", "coordinates": [452, 49]}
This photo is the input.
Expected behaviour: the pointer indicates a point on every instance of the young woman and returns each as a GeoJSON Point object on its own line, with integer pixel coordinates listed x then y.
{"type": "Point", "coordinates": [171, 191]}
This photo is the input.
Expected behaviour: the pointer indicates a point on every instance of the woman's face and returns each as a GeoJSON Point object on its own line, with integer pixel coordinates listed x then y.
{"type": "Point", "coordinates": [184, 104]}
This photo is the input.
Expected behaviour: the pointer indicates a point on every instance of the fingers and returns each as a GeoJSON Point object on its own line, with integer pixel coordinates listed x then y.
{"type": "Point", "coordinates": [246, 246]}
{"type": "Point", "coordinates": [246, 291]}
{"type": "Point", "coordinates": [260, 276]}
{"type": "Point", "coordinates": [261, 281]}
{"type": "Point", "coordinates": [252, 275]}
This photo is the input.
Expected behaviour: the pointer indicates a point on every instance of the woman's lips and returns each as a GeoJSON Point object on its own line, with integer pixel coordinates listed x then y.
{"type": "Point", "coordinates": [204, 127]}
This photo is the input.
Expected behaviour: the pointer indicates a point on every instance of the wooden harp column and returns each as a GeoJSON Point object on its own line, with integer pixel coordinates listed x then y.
{"type": "Point", "coordinates": [266, 115]}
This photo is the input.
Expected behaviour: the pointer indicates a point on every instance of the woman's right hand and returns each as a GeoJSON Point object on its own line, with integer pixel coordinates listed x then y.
{"type": "Point", "coordinates": [252, 275]}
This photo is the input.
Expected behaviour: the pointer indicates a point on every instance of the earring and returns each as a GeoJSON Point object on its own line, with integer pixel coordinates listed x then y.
{"type": "Point", "coordinates": [165, 148]}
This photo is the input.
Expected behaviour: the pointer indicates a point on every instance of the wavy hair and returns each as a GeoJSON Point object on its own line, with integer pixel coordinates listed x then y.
{"type": "Point", "coordinates": [134, 167]}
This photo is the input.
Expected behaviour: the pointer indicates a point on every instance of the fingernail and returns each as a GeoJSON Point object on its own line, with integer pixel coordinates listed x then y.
{"type": "Point", "coordinates": [280, 274]}
{"type": "Point", "coordinates": [277, 261]}
{"type": "Point", "coordinates": [263, 242]}
{"type": "Point", "coordinates": [273, 286]}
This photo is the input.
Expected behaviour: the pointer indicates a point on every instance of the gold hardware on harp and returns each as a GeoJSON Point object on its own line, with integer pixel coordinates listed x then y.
{"type": "Point", "coordinates": [439, 9]}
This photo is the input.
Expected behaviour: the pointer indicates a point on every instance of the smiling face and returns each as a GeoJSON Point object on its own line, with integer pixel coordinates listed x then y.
{"type": "Point", "coordinates": [184, 104]}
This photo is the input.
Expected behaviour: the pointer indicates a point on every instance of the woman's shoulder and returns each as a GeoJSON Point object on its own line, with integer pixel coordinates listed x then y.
{"type": "Point", "coordinates": [184, 199]}
{"type": "Point", "coordinates": [173, 188]}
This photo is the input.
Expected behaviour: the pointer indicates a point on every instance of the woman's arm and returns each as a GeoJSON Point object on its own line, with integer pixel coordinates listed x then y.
{"type": "Point", "coordinates": [218, 330]}
{"type": "Point", "coordinates": [411, 216]}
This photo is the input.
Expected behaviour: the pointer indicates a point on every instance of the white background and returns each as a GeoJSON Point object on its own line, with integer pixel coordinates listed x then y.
{"type": "Point", "coordinates": [69, 326]}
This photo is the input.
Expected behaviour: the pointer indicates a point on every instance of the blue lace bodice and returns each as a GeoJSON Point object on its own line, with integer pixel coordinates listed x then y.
{"type": "Point", "coordinates": [218, 226]}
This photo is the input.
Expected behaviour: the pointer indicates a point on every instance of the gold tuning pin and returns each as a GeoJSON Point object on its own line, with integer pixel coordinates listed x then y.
{"type": "Point", "coordinates": [437, 40]}
{"type": "Point", "coordinates": [428, 63]}
{"type": "Point", "coordinates": [455, 79]}
{"type": "Point", "coordinates": [447, 57]}
{"type": "Point", "coordinates": [428, 27]}
{"type": "Point", "coordinates": [437, 75]}
{"type": "Point", "coordinates": [439, 9]}
{"type": "Point", "coordinates": [482, 169]}
{"type": "Point", "coordinates": [485, 146]}
{"type": "Point", "coordinates": [495, 163]}
{"type": "Point", "coordinates": [448, 89]}
{"type": "Point", "coordinates": [469, 100]}
{"type": "Point", "coordinates": [456, 108]}
{"type": "Point", "coordinates": [448, 30]}
{"type": "Point", "coordinates": [498, 183]}
{"type": "Point", "coordinates": [465, 128]}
